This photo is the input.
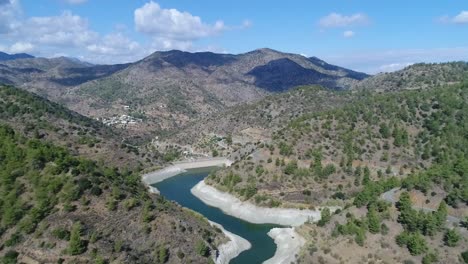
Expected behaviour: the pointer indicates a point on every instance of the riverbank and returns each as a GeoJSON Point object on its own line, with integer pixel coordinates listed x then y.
{"type": "Point", "coordinates": [288, 242]}
{"type": "Point", "coordinates": [232, 248]}
{"type": "Point", "coordinates": [251, 213]}
{"type": "Point", "coordinates": [181, 167]}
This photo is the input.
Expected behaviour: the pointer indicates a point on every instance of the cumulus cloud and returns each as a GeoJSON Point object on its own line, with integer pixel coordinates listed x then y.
{"type": "Point", "coordinates": [173, 24]}
{"type": "Point", "coordinates": [21, 47]}
{"type": "Point", "coordinates": [348, 34]}
{"type": "Point", "coordinates": [66, 29]}
{"type": "Point", "coordinates": [461, 18]}
{"type": "Point", "coordinates": [69, 33]}
{"type": "Point", "coordinates": [338, 20]}
{"type": "Point", "coordinates": [114, 44]}
{"type": "Point", "coordinates": [174, 29]}
{"type": "Point", "coordinates": [10, 11]}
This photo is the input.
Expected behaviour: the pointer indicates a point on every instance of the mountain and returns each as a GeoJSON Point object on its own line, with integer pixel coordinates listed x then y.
{"type": "Point", "coordinates": [53, 77]}
{"type": "Point", "coordinates": [168, 89]}
{"type": "Point", "coordinates": [184, 85]}
{"type": "Point", "coordinates": [71, 192]}
{"type": "Point", "coordinates": [5, 56]}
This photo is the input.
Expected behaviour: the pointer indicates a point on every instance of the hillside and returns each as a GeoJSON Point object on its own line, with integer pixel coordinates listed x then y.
{"type": "Point", "coordinates": [168, 89]}
{"type": "Point", "coordinates": [51, 78]}
{"type": "Point", "coordinates": [353, 153]}
{"type": "Point", "coordinates": [417, 76]}
{"type": "Point", "coordinates": [255, 121]}
{"type": "Point", "coordinates": [39, 118]}
{"type": "Point", "coordinates": [389, 134]}
{"type": "Point", "coordinates": [80, 199]}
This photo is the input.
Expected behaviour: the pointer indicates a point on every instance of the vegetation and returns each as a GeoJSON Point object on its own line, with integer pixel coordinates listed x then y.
{"type": "Point", "coordinates": [76, 245]}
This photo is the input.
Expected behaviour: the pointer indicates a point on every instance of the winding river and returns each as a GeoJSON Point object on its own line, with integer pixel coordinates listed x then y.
{"type": "Point", "coordinates": [177, 189]}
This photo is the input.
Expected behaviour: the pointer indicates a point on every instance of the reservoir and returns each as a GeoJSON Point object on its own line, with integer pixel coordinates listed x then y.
{"type": "Point", "coordinates": [177, 189]}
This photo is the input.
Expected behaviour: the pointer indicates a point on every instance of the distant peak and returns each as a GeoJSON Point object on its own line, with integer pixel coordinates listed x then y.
{"type": "Point", "coordinates": [266, 50]}
{"type": "Point", "coordinates": [5, 56]}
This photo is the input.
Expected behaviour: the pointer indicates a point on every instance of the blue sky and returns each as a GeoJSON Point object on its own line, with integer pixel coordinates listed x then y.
{"type": "Point", "coordinates": [370, 36]}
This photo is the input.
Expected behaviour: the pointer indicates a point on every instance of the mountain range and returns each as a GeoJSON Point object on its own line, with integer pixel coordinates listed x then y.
{"type": "Point", "coordinates": [301, 134]}
{"type": "Point", "coordinates": [170, 88]}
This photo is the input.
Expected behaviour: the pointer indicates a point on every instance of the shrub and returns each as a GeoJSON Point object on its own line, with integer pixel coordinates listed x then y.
{"type": "Point", "coordinates": [61, 233]}
{"type": "Point", "coordinates": [202, 249]}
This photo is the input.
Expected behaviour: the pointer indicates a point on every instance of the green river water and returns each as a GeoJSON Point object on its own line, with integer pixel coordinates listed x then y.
{"type": "Point", "coordinates": [177, 189]}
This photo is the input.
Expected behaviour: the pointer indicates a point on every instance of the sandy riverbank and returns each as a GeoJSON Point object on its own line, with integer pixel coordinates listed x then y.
{"type": "Point", "coordinates": [231, 249]}
{"type": "Point", "coordinates": [181, 167]}
{"type": "Point", "coordinates": [251, 213]}
{"type": "Point", "coordinates": [288, 243]}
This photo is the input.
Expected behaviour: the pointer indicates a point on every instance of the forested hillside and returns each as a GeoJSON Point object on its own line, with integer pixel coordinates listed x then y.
{"type": "Point", "coordinates": [42, 119]}
{"type": "Point", "coordinates": [417, 76]}
{"type": "Point", "coordinates": [351, 155]}
{"type": "Point", "coordinates": [71, 192]}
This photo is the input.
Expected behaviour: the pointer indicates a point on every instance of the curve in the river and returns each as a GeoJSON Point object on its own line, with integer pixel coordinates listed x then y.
{"type": "Point", "coordinates": [177, 188]}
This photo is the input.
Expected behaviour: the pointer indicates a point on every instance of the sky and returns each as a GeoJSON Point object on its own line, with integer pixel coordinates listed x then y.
{"type": "Point", "coordinates": [364, 35]}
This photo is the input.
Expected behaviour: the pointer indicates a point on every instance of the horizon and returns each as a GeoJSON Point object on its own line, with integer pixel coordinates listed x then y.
{"type": "Point", "coordinates": [360, 37]}
{"type": "Point", "coordinates": [234, 54]}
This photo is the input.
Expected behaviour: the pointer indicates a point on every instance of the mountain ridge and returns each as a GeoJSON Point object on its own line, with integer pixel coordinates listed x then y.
{"type": "Point", "coordinates": [5, 56]}
{"type": "Point", "coordinates": [170, 88]}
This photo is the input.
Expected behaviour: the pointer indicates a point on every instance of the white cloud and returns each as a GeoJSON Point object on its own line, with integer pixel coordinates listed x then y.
{"type": "Point", "coordinates": [64, 30]}
{"type": "Point", "coordinates": [69, 33]}
{"type": "Point", "coordinates": [21, 47]}
{"type": "Point", "coordinates": [348, 34]}
{"type": "Point", "coordinates": [339, 20]}
{"type": "Point", "coordinates": [114, 44]}
{"type": "Point", "coordinates": [394, 66]}
{"type": "Point", "coordinates": [173, 24]}
{"type": "Point", "coordinates": [461, 18]}
{"type": "Point", "coordinates": [10, 11]}
{"type": "Point", "coordinates": [75, 2]}
{"type": "Point", "coordinates": [161, 43]}
{"type": "Point", "coordinates": [384, 60]}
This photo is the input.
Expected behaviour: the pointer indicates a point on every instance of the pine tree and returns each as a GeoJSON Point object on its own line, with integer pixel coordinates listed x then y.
{"type": "Point", "coordinates": [373, 220]}
{"type": "Point", "coordinates": [366, 178]}
{"type": "Point", "coordinates": [416, 244]}
{"type": "Point", "coordinates": [451, 238]}
{"type": "Point", "coordinates": [430, 225]}
{"type": "Point", "coordinates": [441, 214]}
{"type": "Point", "coordinates": [76, 246]}
{"type": "Point", "coordinates": [325, 217]}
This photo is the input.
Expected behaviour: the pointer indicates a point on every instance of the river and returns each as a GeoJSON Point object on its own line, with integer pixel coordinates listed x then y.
{"type": "Point", "coordinates": [177, 189]}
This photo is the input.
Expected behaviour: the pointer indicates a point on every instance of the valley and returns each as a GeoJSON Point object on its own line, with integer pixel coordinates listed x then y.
{"type": "Point", "coordinates": [352, 158]}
